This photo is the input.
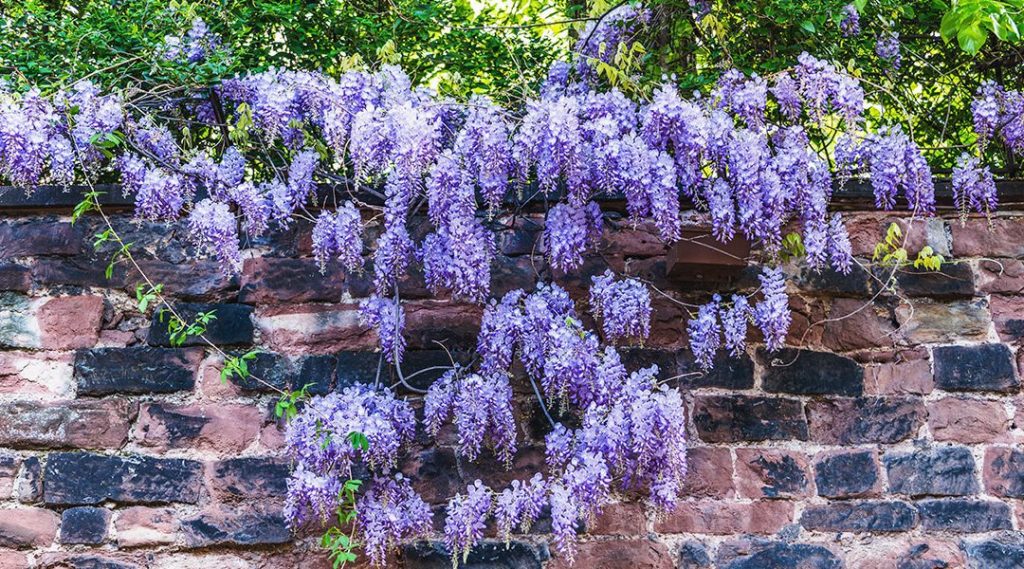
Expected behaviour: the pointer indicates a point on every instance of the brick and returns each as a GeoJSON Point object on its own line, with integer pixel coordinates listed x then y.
{"type": "Point", "coordinates": [1005, 551]}
{"type": "Point", "coordinates": [805, 372]}
{"type": "Point", "coordinates": [15, 277]}
{"type": "Point", "coordinates": [192, 279]}
{"type": "Point", "coordinates": [28, 487]}
{"type": "Point", "coordinates": [909, 374]}
{"type": "Point", "coordinates": [232, 325]}
{"type": "Point", "coordinates": [9, 466]}
{"type": "Point", "coordinates": [847, 474]}
{"type": "Point", "coordinates": [235, 525]}
{"type": "Point", "coordinates": [968, 421]}
{"type": "Point", "coordinates": [640, 241]}
{"type": "Point", "coordinates": [728, 372]}
{"type": "Point", "coordinates": [1004, 472]}
{"type": "Point", "coordinates": [84, 525]}
{"type": "Point", "coordinates": [430, 321]}
{"type": "Point", "coordinates": [856, 324]}
{"type": "Point", "coordinates": [434, 474]}
{"type": "Point", "coordinates": [855, 283]}
{"type": "Point", "coordinates": [708, 473]}
{"type": "Point", "coordinates": [69, 322]}
{"type": "Point", "coordinates": [27, 527]}
{"type": "Point", "coordinates": [1000, 276]}
{"type": "Point", "coordinates": [988, 367]}
{"type": "Point", "coordinates": [223, 429]}
{"type": "Point", "coordinates": [62, 560]}
{"type": "Point", "coordinates": [636, 554]}
{"type": "Point", "coordinates": [962, 515]}
{"type": "Point", "coordinates": [66, 424]}
{"type": "Point", "coordinates": [514, 555]}
{"type": "Point", "coordinates": [693, 555]}
{"type": "Point", "coordinates": [939, 471]}
{"type": "Point", "coordinates": [13, 560]}
{"type": "Point", "coordinates": [39, 237]}
{"type": "Point", "coordinates": [954, 280]}
{"type": "Point", "coordinates": [621, 519]}
{"type": "Point", "coordinates": [36, 374]}
{"type": "Point", "coordinates": [857, 517]}
{"type": "Point", "coordinates": [75, 478]}
{"type": "Point", "coordinates": [56, 323]}
{"type": "Point", "coordinates": [1006, 315]}
{"type": "Point", "coordinates": [929, 322]}
{"type": "Point", "coordinates": [865, 419]}
{"type": "Point", "coordinates": [105, 371]}
{"type": "Point", "coordinates": [932, 554]}
{"type": "Point", "coordinates": [802, 555]}
{"type": "Point", "coordinates": [997, 237]}
{"type": "Point", "coordinates": [270, 372]}
{"type": "Point", "coordinates": [772, 473]}
{"type": "Point", "coordinates": [723, 518]}
{"type": "Point", "coordinates": [314, 329]}
{"type": "Point", "coordinates": [742, 418]}
{"type": "Point", "coordinates": [268, 280]}
{"type": "Point", "coordinates": [139, 526]}
{"type": "Point", "coordinates": [249, 478]}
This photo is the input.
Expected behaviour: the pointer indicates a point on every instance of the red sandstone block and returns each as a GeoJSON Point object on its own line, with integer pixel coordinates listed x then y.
{"type": "Point", "coordinates": [1000, 276]}
{"type": "Point", "coordinates": [223, 429]}
{"type": "Point", "coordinates": [979, 237]}
{"type": "Point", "coordinates": [33, 374]}
{"type": "Point", "coordinates": [933, 322]}
{"type": "Point", "coordinates": [145, 526]}
{"type": "Point", "coordinates": [622, 518]}
{"type": "Point", "coordinates": [1007, 314]}
{"type": "Point", "coordinates": [314, 328]}
{"type": "Point", "coordinates": [27, 527]}
{"type": "Point", "coordinates": [968, 421]}
{"type": "Point", "coordinates": [267, 280]}
{"type": "Point", "coordinates": [772, 473]}
{"type": "Point", "coordinates": [13, 560]}
{"type": "Point", "coordinates": [1004, 472]}
{"type": "Point", "coordinates": [70, 322]}
{"type": "Point", "coordinates": [909, 374]}
{"type": "Point", "coordinates": [719, 517]}
{"type": "Point", "coordinates": [709, 473]}
{"type": "Point", "coordinates": [89, 424]}
{"type": "Point", "coordinates": [635, 554]}
{"type": "Point", "coordinates": [855, 324]}
{"type": "Point", "coordinates": [898, 553]}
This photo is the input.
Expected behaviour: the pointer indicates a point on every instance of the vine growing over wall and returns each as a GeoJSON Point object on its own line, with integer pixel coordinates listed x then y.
{"type": "Point", "coordinates": [437, 179]}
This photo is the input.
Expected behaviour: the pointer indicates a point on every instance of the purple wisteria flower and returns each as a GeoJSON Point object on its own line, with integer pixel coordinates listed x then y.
{"type": "Point", "coordinates": [466, 520]}
{"type": "Point", "coordinates": [850, 24]}
{"type": "Point", "coordinates": [705, 334]}
{"type": "Point", "coordinates": [973, 186]}
{"type": "Point", "coordinates": [338, 235]}
{"type": "Point", "coordinates": [570, 231]}
{"type": "Point", "coordinates": [623, 307]}
{"type": "Point", "coordinates": [388, 318]}
{"type": "Point", "coordinates": [772, 314]}
{"type": "Point", "coordinates": [214, 228]}
{"type": "Point", "coordinates": [887, 47]}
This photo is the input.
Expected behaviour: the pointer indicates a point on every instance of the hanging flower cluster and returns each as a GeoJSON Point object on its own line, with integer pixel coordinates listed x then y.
{"type": "Point", "coordinates": [741, 154]}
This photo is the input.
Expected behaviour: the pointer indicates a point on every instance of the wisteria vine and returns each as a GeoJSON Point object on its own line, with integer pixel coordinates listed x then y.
{"type": "Point", "coordinates": [746, 154]}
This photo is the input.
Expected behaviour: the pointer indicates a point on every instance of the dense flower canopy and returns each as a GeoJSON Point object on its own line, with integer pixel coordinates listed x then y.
{"type": "Point", "coordinates": [747, 154]}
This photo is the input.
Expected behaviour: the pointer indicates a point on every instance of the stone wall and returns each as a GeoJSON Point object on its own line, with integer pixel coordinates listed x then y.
{"type": "Point", "coordinates": [887, 437]}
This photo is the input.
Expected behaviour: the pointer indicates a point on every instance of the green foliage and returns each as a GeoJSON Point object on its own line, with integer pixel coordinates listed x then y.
{"type": "Point", "coordinates": [179, 330]}
{"type": "Point", "coordinates": [453, 44]}
{"type": "Point", "coordinates": [146, 295]}
{"type": "Point", "coordinates": [971, 22]}
{"type": "Point", "coordinates": [890, 252]}
{"type": "Point", "coordinates": [341, 546]}
{"type": "Point", "coordinates": [237, 366]}
{"type": "Point", "coordinates": [288, 405]}
{"type": "Point", "coordinates": [793, 246]}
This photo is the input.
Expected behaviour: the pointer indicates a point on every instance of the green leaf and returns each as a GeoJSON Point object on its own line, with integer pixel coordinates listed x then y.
{"type": "Point", "coordinates": [972, 38]}
{"type": "Point", "coordinates": [808, 26]}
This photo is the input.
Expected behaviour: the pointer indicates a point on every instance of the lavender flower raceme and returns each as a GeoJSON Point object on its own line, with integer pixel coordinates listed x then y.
{"type": "Point", "coordinates": [213, 227]}
{"type": "Point", "coordinates": [390, 513]}
{"type": "Point", "coordinates": [624, 307]}
{"type": "Point", "coordinates": [850, 24]}
{"type": "Point", "coordinates": [973, 186]}
{"type": "Point", "coordinates": [772, 314]}
{"type": "Point", "coordinates": [570, 231]}
{"type": "Point", "coordinates": [887, 47]}
{"type": "Point", "coordinates": [338, 235]}
{"type": "Point", "coordinates": [388, 318]}
{"type": "Point", "coordinates": [735, 320]}
{"type": "Point", "coordinates": [466, 519]}
{"type": "Point", "coordinates": [705, 333]}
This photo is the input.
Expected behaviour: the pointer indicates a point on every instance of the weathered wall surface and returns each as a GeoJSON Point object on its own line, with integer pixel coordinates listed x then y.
{"type": "Point", "coordinates": [890, 440]}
